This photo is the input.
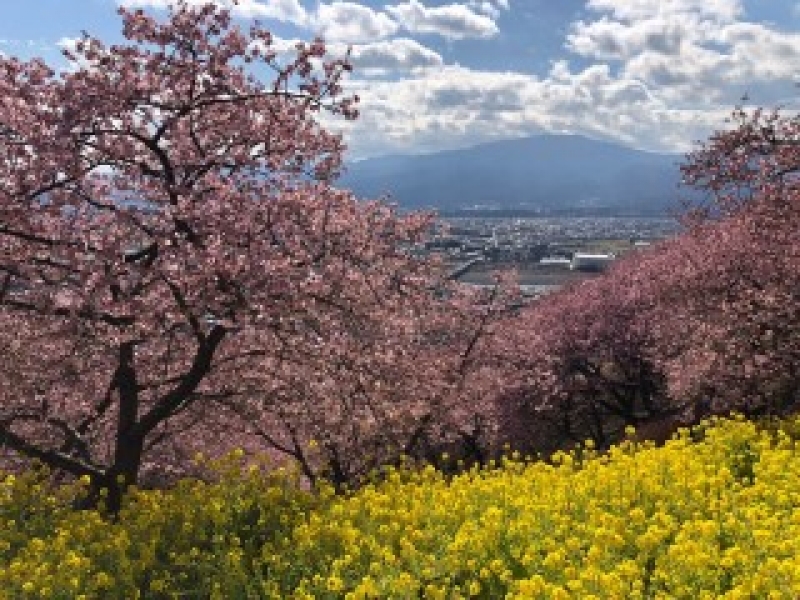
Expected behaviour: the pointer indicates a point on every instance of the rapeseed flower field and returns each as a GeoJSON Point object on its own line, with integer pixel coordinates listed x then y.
{"type": "Point", "coordinates": [714, 513]}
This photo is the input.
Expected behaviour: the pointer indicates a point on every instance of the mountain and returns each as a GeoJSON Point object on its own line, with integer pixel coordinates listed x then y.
{"type": "Point", "coordinates": [543, 173]}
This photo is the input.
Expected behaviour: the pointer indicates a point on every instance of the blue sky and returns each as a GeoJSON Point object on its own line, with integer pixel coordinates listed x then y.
{"type": "Point", "coordinates": [439, 74]}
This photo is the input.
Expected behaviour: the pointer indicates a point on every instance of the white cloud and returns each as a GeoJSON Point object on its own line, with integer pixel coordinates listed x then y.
{"type": "Point", "coordinates": [692, 52]}
{"type": "Point", "coordinates": [452, 106]}
{"type": "Point", "coordinates": [491, 8]}
{"type": "Point", "coordinates": [70, 44]}
{"type": "Point", "coordinates": [336, 21]}
{"type": "Point", "coordinates": [609, 39]}
{"type": "Point", "coordinates": [290, 11]}
{"type": "Point", "coordinates": [760, 53]}
{"type": "Point", "coordinates": [157, 4]}
{"type": "Point", "coordinates": [452, 21]}
{"type": "Point", "coordinates": [635, 10]}
{"type": "Point", "coordinates": [386, 58]}
{"type": "Point", "coordinates": [392, 56]}
{"type": "Point", "coordinates": [352, 23]}
{"type": "Point", "coordinates": [285, 49]}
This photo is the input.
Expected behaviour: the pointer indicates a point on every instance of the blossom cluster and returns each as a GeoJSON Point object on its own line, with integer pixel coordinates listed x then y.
{"type": "Point", "coordinates": [711, 514]}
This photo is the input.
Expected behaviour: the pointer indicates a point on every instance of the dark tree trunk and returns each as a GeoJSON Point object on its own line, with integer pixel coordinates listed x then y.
{"type": "Point", "coordinates": [129, 444]}
{"type": "Point", "coordinates": [108, 484]}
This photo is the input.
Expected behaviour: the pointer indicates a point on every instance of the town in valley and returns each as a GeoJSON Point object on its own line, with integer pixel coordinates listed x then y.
{"type": "Point", "coordinates": [545, 252]}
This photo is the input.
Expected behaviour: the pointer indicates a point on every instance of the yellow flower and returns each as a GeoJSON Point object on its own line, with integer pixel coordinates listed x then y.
{"type": "Point", "coordinates": [103, 580]}
{"type": "Point", "coordinates": [334, 584]}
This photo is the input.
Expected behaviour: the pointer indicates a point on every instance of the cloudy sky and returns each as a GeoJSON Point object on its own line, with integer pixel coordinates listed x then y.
{"type": "Point", "coordinates": [437, 74]}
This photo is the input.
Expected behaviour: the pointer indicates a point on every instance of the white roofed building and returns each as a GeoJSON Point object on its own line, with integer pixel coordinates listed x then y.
{"type": "Point", "coordinates": [591, 262]}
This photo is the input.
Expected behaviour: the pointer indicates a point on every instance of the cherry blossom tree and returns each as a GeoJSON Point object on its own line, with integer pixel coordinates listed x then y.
{"type": "Point", "coordinates": [705, 322]}
{"type": "Point", "coordinates": [734, 336]}
{"type": "Point", "coordinates": [753, 162]}
{"type": "Point", "coordinates": [178, 273]}
{"type": "Point", "coordinates": [579, 363]}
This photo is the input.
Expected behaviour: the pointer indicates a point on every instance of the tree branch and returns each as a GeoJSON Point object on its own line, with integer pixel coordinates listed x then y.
{"type": "Point", "coordinates": [168, 403]}
{"type": "Point", "coordinates": [52, 458]}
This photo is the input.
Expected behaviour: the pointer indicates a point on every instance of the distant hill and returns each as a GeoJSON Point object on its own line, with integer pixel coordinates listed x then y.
{"type": "Point", "coordinates": [544, 173]}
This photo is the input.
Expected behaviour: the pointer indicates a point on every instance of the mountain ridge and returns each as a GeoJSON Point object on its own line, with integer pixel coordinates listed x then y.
{"type": "Point", "coordinates": [543, 173]}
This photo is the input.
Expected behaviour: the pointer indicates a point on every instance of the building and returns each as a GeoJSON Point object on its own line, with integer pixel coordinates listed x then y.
{"type": "Point", "coordinates": [591, 262]}
{"type": "Point", "coordinates": [555, 261]}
